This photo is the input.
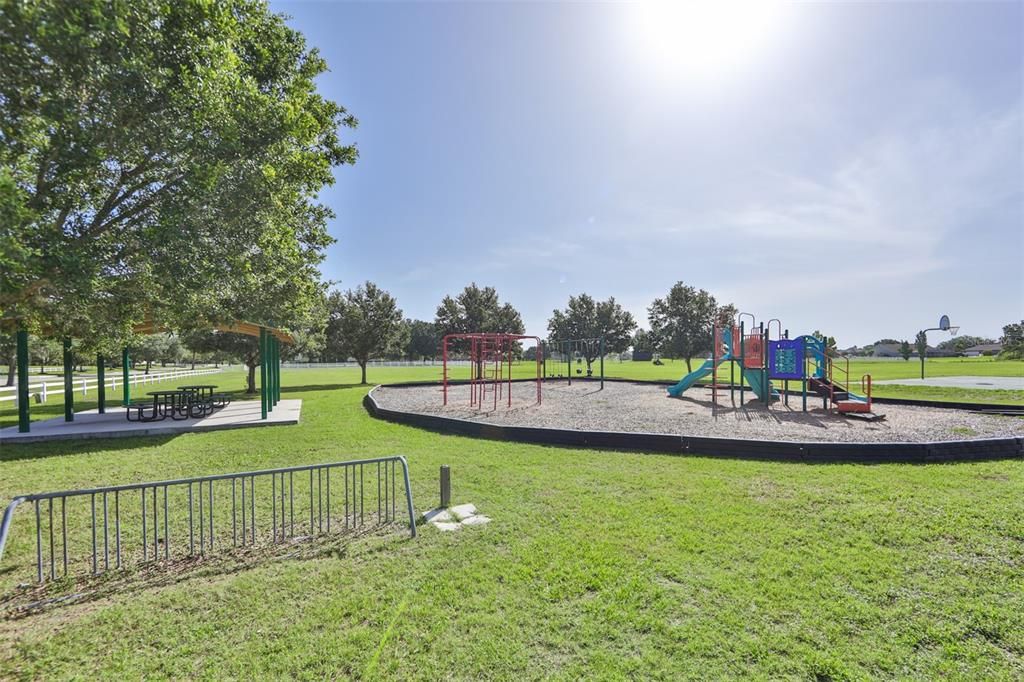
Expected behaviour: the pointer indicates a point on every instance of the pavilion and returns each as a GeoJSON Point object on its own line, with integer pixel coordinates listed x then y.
{"type": "Point", "coordinates": [270, 340]}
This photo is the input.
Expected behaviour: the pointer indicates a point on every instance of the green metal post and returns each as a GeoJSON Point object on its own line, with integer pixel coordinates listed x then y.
{"type": "Point", "coordinates": [602, 363]}
{"type": "Point", "coordinates": [24, 423]}
{"type": "Point", "coordinates": [69, 386]}
{"type": "Point", "coordinates": [126, 389]}
{"type": "Point", "coordinates": [273, 371]}
{"type": "Point", "coordinates": [743, 361]}
{"type": "Point", "coordinates": [277, 371]}
{"type": "Point", "coordinates": [101, 386]}
{"type": "Point", "coordinates": [263, 373]}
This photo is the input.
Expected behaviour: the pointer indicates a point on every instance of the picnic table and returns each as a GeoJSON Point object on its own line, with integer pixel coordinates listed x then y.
{"type": "Point", "coordinates": [175, 404]}
{"type": "Point", "coordinates": [193, 400]}
{"type": "Point", "coordinates": [202, 402]}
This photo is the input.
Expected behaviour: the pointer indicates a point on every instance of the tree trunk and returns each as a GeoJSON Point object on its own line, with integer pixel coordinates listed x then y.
{"type": "Point", "coordinates": [250, 384]}
{"type": "Point", "coordinates": [362, 365]}
{"type": "Point", "coordinates": [688, 367]}
{"type": "Point", "coordinates": [193, 359]}
{"type": "Point", "coordinates": [148, 362]}
{"type": "Point", "coordinates": [12, 367]}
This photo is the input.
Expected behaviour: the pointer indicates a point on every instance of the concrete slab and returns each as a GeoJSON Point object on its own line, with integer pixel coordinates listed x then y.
{"type": "Point", "coordinates": [91, 424]}
{"type": "Point", "coordinates": [990, 383]}
{"type": "Point", "coordinates": [436, 515]}
{"type": "Point", "coordinates": [462, 511]}
{"type": "Point", "coordinates": [477, 520]}
{"type": "Point", "coordinates": [446, 527]}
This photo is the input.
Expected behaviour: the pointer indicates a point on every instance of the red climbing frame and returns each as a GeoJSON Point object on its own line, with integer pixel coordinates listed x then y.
{"type": "Point", "coordinates": [490, 366]}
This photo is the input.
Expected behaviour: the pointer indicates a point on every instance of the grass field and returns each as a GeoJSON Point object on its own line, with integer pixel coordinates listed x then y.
{"type": "Point", "coordinates": [597, 564]}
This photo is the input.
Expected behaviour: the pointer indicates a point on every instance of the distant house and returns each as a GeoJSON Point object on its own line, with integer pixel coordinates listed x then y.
{"type": "Point", "coordinates": [892, 350]}
{"type": "Point", "coordinates": [886, 350]}
{"type": "Point", "coordinates": [983, 349]}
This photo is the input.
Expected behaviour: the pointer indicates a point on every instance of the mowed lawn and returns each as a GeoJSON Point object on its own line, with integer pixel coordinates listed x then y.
{"type": "Point", "coordinates": [597, 564]}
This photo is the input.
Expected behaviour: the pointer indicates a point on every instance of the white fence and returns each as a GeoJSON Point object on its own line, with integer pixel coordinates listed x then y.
{"type": "Point", "coordinates": [46, 388]}
{"type": "Point", "coordinates": [372, 363]}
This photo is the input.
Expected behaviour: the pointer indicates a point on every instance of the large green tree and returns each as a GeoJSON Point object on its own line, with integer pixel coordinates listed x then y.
{"type": "Point", "coordinates": [363, 322]}
{"type": "Point", "coordinates": [160, 160]}
{"type": "Point", "coordinates": [422, 340]}
{"type": "Point", "coordinates": [1013, 341]}
{"type": "Point", "coordinates": [585, 318]}
{"type": "Point", "coordinates": [681, 323]}
{"type": "Point", "coordinates": [477, 310]}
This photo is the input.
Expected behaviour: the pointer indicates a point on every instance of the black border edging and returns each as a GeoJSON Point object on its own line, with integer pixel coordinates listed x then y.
{"type": "Point", "coordinates": [734, 448]}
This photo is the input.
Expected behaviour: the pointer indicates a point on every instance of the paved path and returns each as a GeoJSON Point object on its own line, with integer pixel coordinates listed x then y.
{"type": "Point", "coordinates": [1006, 383]}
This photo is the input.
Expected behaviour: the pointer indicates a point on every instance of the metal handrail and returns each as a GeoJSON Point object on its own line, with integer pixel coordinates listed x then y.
{"type": "Point", "coordinates": [386, 510]}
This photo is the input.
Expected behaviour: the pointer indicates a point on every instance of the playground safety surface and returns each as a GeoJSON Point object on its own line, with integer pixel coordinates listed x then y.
{"type": "Point", "coordinates": [645, 408]}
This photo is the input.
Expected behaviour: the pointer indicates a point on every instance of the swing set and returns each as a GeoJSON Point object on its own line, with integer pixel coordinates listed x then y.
{"type": "Point", "coordinates": [575, 352]}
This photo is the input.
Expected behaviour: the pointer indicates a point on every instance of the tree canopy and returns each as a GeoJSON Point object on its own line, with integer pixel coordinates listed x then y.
{"type": "Point", "coordinates": [477, 310]}
{"type": "Point", "coordinates": [160, 159]}
{"type": "Point", "coordinates": [362, 322]}
{"type": "Point", "coordinates": [421, 339]}
{"type": "Point", "coordinates": [681, 322]}
{"type": "Point", "coordinates": [1013, 341]}
{"type": "Point", "coordinates": [585, 318]}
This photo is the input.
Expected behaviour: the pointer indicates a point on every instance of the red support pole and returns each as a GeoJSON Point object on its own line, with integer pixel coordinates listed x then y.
{"type": "Point", "coordinates": [444, 369]}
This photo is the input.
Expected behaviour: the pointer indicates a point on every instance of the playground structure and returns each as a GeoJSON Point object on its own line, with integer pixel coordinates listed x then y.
{"type": "Point", "coordinates": [762, 360]}
{"type": "Point", "coordinates": [490, 366]}
{"type": "Point", "coordinates": [576, 351]}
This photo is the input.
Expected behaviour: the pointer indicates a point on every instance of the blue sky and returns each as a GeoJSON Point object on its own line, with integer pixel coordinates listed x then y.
{"type": "Point", "coordinates": [855, 168]}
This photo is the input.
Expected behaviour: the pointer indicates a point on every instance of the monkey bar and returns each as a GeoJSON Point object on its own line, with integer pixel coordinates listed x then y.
{"type": "Point", "coordinates": [490, 366]}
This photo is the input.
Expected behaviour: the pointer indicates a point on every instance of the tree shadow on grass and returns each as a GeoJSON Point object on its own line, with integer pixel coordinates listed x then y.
{"type": "Point", "coordinates": [13, 452]}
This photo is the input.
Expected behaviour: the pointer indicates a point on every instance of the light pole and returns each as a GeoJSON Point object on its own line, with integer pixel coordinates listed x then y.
{"type": "Point", "coordinates": [922, 337]}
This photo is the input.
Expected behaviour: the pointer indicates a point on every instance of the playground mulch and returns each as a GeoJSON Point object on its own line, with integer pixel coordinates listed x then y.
{"type": "Point", "coordinates": [646, 408]}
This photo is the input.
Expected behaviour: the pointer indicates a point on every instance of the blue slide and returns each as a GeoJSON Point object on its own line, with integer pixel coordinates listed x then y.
{"type": "Point", "coordinates": [693, 377]}
{"type": "Point", "coordinates": [753, 378]}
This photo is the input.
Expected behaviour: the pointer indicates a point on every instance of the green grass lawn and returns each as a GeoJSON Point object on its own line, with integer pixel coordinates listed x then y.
{"type": "Point", "coordinates": [597, 564]}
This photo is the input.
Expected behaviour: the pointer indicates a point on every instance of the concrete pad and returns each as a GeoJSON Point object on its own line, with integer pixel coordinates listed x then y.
{"type": "Point", "coordinates": [989, 383]}
{"type": "Point", "coordinates": [446, 527]}
{"type": "Point", "coordinates": [437, 515]}
{"type": "Point", "coordinates": [462, 511]}
{"type": "Point", "coordinates": [91, 424]}
{"type": "Point", "coordinates": [477, 520]}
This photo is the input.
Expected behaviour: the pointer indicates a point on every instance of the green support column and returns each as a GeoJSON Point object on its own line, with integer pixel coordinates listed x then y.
{"type": "Point", "coordinates": [101, 386]}
{"type": "Point", "coordinates": [277, 371]}
{"type": "Point", "coordinates": [263, 373]}
{"type": "Point", "coordinates": [270, 372]}
{"type": "Point", "coordinates": [24, 424]}
{"type": "Point", "coordinates": [126, 389]}
{"type": "Point", "coordinates": [69, 387]}
{"type": "Point", "coordinates": [273, 371]}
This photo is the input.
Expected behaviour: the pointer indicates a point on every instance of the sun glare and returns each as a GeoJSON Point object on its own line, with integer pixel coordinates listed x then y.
{"type": "Point", "coordinates": [702, 39]}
